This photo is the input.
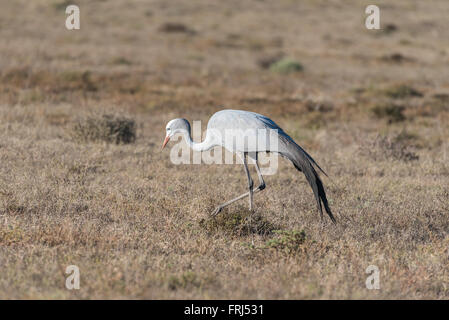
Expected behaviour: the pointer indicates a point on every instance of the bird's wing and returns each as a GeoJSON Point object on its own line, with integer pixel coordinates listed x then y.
{"type": "Point", "coordinates": [245, 120]}
{"type": "Point", "coordinates": [271, 124]}
{"type": "Point", "coordinates": [290, 150]}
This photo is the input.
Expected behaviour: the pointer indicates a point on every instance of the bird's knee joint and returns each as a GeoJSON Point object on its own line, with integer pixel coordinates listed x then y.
{"type": "Point", "coordinates": [262, 186]}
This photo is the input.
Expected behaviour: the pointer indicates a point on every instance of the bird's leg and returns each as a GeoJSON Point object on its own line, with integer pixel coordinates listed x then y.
{"type": "Point", "coordinates": [249, 193]}
{"type": "Point", "coordinates": [250, 180]}
{"type": "Point", "coordinates": [262, 183]}
{"type": "Point", "coordinates": [221, 206]}
{"type": "Point", "coordinates": [259, 188]}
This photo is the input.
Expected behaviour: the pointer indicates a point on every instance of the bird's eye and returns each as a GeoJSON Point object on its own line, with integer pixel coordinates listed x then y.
{"type": "Point", "coordinates": [168, 129]}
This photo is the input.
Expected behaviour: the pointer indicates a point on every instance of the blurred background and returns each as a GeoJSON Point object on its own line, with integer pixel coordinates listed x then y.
{"type": "Point", "coordinates": [156, 56]}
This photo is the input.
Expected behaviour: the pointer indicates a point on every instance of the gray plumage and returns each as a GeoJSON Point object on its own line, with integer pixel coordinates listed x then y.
{"type": "Point", "coordinates": [247, 128]}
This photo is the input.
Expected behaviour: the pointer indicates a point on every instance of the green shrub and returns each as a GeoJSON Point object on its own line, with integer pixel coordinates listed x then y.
{"type": "Point", "coordinates": [288, 241]}
{"type": "Point", "coordinates": [286, 65]}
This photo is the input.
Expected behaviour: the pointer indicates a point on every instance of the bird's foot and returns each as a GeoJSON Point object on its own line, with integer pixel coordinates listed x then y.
{"type": "Point", "coordinates": [216, 211]}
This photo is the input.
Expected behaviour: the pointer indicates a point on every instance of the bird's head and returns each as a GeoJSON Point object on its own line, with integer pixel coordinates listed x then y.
{"type": "Point", "coordinates": [175, 126]}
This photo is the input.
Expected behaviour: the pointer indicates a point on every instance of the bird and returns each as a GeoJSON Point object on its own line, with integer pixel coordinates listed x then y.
{"type": "Point", "coordinates": [247, 130]}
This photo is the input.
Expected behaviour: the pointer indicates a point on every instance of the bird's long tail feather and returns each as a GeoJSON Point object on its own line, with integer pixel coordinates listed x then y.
{"type": "Point", "coordinates": [303, 162]}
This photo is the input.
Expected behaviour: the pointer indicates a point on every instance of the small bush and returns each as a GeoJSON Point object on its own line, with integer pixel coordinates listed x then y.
{"type": "Point", "coordinates": [286, 65]}
{"type": "Point", "coordinates": [392, 148]}
{"type": "Point", "coordinates": [390, 28]}
{"type": "Point", "coordinates": [402, 91]}
{"type": "Point", "coordinates": [175, 27]}
{"type": "Point", "coordinates": [185, 280]}
{"type": "Point", "coordinates": [62, 5]}
{"type": "Point", "coordinates": [395, 58]}
{"type": "Point", "coordinates": [107, 127]}
{"type": "Point", "coordinates": [289, 241]}
{"type": "Point", "coordinates": [189, 280]}
{"type": "Point", "coordinates": [121, 61]}
{"type": "Point", "coordinates": [392, 112]}
{"type": "Point", "coordinates": [239, 223]}
{"type": "Point", "coordinates": [267, 61]}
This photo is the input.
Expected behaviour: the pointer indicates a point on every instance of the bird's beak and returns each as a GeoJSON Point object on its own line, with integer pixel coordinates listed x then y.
{"type": "Point", "coordinates": [167, 138]}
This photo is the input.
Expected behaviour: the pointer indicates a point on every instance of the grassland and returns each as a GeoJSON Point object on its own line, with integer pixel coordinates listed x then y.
{"type": "Point", "coordinates": [372, 107]}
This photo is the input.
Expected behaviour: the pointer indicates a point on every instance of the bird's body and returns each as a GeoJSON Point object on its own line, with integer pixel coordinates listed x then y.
{"type": "Point", "coordinates": [247, 133]}
{"type": "Point", "coordinates": [241, 125]}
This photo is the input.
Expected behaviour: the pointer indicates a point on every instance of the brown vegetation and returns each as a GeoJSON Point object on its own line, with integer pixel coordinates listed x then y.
{"type": "Point", "coordinates": [83, 181]}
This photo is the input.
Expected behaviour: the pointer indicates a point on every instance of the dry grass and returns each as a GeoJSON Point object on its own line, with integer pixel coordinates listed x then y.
{"type": "Point", "coordinates": [137, 225]}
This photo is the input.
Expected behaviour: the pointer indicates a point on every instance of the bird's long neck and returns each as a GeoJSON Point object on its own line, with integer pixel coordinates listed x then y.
{"type": "Point", "coordinates": [195, 146]}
